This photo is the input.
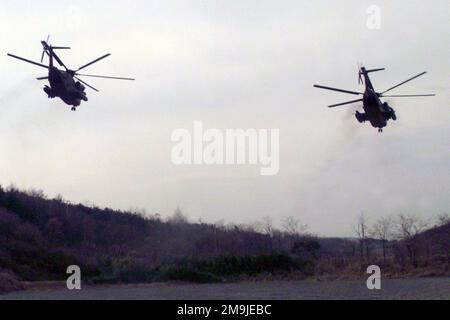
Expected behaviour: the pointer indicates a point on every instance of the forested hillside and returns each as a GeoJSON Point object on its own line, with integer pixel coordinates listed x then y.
{"type": "Point", "coordinates": [40, 237]}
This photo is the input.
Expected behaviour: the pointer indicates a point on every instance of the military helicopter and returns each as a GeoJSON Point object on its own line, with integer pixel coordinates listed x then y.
{"type": "Point", "coordinates": [376, 112]}
{"type": "Point", "coordinates": [65, 84]}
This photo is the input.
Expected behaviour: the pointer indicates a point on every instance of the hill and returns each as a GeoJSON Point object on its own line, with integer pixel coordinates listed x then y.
{"type": "Point", "coordinates": [40, 237]}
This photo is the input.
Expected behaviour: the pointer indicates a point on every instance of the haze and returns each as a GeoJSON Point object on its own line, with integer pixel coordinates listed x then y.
{"type": "Point", "coordinates": [231, 64]}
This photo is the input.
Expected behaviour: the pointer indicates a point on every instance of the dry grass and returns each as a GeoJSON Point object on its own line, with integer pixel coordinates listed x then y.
{"type": "Point", "coordinates": [349, 269]}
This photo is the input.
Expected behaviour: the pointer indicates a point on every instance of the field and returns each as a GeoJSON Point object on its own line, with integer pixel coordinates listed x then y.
{"type": "Point", "coordinates": [416, 289]}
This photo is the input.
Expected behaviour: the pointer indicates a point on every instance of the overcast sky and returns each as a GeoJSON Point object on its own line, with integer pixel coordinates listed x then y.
{"type": "Point", "coordinates": [231, 64]}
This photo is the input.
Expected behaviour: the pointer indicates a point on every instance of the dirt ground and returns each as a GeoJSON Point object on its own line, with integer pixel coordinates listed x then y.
{"type": "Point", "coordinates": [422, 288]}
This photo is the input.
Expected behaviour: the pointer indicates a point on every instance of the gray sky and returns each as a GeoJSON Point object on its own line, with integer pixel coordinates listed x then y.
{"type": "Point", "coordinates": [231, 64]}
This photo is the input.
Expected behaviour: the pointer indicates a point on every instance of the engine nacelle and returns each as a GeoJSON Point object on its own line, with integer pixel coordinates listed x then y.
{"type": "Point", "coordinates": [393, 115]}
{"type": "Point", "coordinates": [80, 86]}
{"type": "Point", "coordinates": [390, 112]}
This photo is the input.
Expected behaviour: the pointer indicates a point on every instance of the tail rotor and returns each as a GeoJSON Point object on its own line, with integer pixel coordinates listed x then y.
{"type": "Point", "coordinates": [360, 79]}
{"type": "Point", "coordinates": [43, 50]}
{"type": "Point", "coordinates": [49, 50]}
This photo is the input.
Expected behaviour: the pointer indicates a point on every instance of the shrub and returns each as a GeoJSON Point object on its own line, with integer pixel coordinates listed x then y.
{"type": "Point", "coordinates": [213, 270]}
{"type": "Point", "coordinates": [190, 275]}
{"type": "Point", "coordinates": [136, 274]}
{"type": "Point", "coordinates": [251, 265]}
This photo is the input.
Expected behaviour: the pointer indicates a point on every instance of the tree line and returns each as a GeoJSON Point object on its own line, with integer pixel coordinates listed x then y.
{"type": "Point", "coordinates": [40, 237]}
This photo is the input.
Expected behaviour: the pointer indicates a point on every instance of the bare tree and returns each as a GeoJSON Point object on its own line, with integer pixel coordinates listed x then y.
{"type": "Point", "coordinates": [292, 226]}
{"type": "Point", "coordinates": [267, 226]}
{"type": "Point", "coordinates": [443, 219]}
{"type": "Point", "coordinates": [408, 228]}
{"type": "Point", "coordinates": [268, 230]}
{"type": "Point", "coordinates": [361, 230]}
{"type": "Point", "coordinates": [178, 217]}
{"type": "Point", "coordinates": [382, 230]}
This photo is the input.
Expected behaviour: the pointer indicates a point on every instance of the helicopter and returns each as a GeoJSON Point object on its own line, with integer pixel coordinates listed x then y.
{"type": "Point", "coordinates": [376, 112]}
{"type": "Point", "coordinates": [66, 83]}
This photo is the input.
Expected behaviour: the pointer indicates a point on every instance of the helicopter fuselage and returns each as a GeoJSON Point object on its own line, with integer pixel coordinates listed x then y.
{"type": "Point", "coordinates": [63, 85]}
{"type": "Point", "coordinates": [376, 112]}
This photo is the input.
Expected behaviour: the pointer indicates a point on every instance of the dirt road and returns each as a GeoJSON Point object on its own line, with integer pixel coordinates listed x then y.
{"type": "Point", "coordinates": [423, 288]}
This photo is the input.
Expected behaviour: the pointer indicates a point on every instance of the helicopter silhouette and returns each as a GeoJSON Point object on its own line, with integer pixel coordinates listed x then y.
{"type": "Point", "coordinates": [66, 83]}
{"type": "Point", "coordinates": [376, 112]}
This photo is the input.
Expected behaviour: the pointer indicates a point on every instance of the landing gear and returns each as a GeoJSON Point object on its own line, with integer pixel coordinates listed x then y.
{"type": "Point", "coordinates": [74, 109]}
{"type": "Point", "coordinates": [380, 130]}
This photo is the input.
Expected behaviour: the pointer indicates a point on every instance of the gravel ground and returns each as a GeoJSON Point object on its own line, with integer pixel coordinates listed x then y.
{"type": "Point", "coordinates": [417, 289]}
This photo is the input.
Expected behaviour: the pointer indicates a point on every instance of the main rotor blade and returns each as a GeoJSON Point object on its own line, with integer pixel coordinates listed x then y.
{"type": "Point", "coordinates": [398, 85]}
{"type": "Point", "coordinates": [42, 78]}
{"type": "Point", "coordinates": [86, 84]}
{"type": "Point", "coordinates": [410, 95]}
{"type": "Point", "coordinates": [344, 103]}
{"type": "Point", "coordinates": [105, 77]}
{"type": "Point", "coordinates": [94, 61]}
{"type": "Point", "coordinates": [29, 61]}
{"type": "Point", "coordinates": [335, 89]}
